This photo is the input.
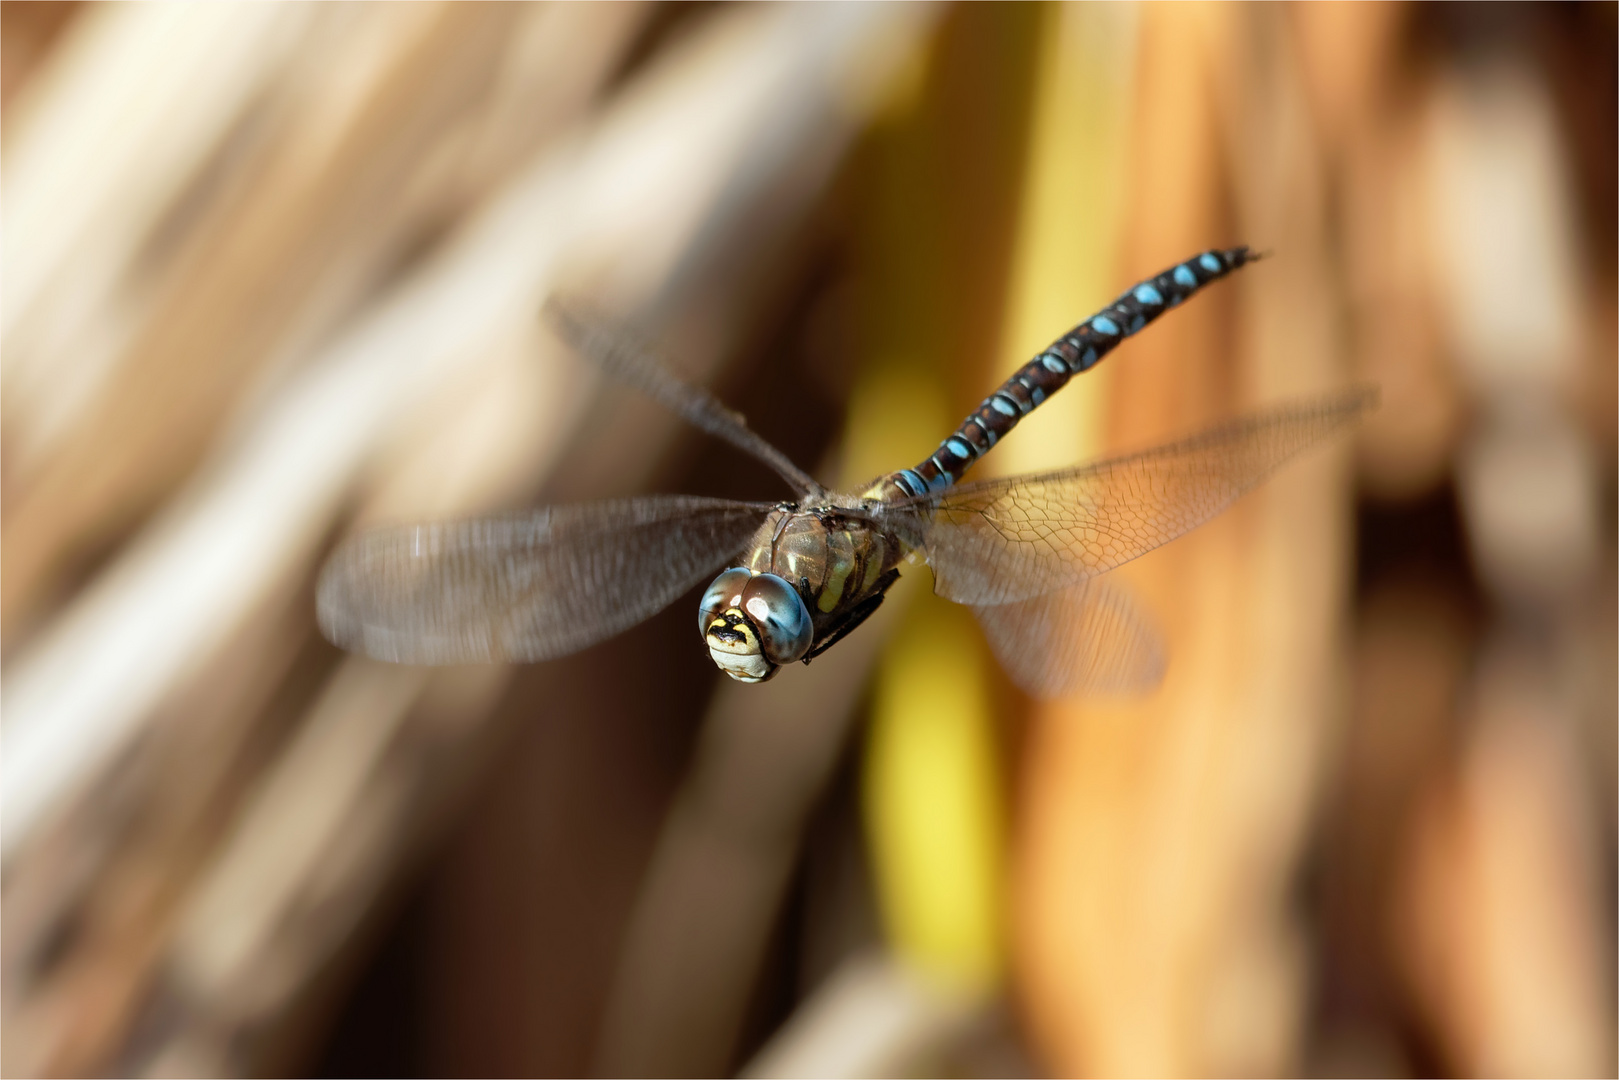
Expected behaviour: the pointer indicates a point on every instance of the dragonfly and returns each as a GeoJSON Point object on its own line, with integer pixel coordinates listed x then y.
{"type": "Point", "coordinates": [1028, 554]}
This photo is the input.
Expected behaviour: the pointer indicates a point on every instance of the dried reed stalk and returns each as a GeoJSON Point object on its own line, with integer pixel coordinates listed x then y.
{"type": "Point", "coordinates": [339, 375]}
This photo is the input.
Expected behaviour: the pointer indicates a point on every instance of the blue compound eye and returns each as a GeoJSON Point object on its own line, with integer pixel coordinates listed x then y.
{"type": "Point", "coordinates": [726, 592]}
{"type": "Point", "coordinates": [778, 612]}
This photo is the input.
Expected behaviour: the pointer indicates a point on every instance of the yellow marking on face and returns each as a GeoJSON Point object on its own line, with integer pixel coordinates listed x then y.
{"type": "Point", "coordinates": [739, 637]}
{"type": "Point", "coordinates": [733, 643]}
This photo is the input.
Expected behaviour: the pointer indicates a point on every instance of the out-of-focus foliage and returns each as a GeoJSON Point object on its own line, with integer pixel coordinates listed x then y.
{"type": "Point", "coordinates": [272, 272]}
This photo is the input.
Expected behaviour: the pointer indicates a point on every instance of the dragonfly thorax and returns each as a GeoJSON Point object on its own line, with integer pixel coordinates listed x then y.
{"type": "Point", "coordinates": [831, 555]}
{"type": "Point", "coordinates": [809, 575]}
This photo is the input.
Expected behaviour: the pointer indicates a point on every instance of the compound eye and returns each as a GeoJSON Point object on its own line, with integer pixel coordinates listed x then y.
{"type": "Point", "coordinates": [726, 592]}
{"type": "Point", "coordinates": [783, 622]}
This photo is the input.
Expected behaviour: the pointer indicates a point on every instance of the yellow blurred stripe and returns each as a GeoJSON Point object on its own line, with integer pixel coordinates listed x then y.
{"type": "Point", "coordinates": [946, 182]}
{"type": "Point", "coordinates": [1064, 263]}
{"type": "Point", "coordinates": [933, 798]}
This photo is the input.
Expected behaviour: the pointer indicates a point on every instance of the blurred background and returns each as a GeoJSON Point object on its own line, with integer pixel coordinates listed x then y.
{"type": "Point", "coordinates": [271, 273]}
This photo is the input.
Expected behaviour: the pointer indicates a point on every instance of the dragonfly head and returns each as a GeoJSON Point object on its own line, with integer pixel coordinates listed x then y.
{"type": "Point", "coordinates": [753, 623]}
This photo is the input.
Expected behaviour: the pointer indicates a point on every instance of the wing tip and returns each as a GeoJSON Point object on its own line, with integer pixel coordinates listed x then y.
{"type": "Point", "coordinates": [329, 602]}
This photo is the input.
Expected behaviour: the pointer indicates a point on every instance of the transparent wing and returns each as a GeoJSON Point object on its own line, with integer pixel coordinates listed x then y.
{"type": "Point", "coordinates": [524, 587]}
{"type": "Point", "coordinates": [618, 355]}
{"type": "Point", "coordinates": [1089, 638]}
{"type": "Point", "coordinates": [1000, 541]}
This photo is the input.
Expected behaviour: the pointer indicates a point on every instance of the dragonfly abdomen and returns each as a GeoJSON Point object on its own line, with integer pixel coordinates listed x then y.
{"type": "Point", "coordinates": [1075, 352]}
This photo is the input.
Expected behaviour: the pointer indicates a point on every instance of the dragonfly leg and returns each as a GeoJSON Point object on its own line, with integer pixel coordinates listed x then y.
{"type": "Point", "coordinates": [855, 615]}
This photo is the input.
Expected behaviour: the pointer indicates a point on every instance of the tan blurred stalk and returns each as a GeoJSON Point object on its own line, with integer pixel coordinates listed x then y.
{"type": "Point", "coordinates": [1495, 921]}
{"type": "Point", "coordinates": [32, 32]}
{"type": "Point", "coordinates": [1500, 915]}
{"type": "Point", "coordinates": [724, 860]}
{"type": "Point", "coordinates": [220, 221]}
{"type": "Point", "coordinates": [253, 514]}
{"type": "Point", "coordinates": [1372, 146]}
{"type": "Point", "coordinates": [270, 271]}
{"type": "Point", "coordinates": [168, 913]}
{"type": "Point", "coordinates": [874, 1016]}
{"type": "Point", "coordinates": [1158, 837]}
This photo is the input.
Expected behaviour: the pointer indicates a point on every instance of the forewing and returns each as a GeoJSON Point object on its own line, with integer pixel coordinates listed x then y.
{"type": "Point", "coordinates": [618, 354]}
{"type": "Point", "coordinates": [1089, 638]}
{"type": "Point", "coordinates": [1000, 541]}
{"type": "Point", "coordinates": [527, 586]}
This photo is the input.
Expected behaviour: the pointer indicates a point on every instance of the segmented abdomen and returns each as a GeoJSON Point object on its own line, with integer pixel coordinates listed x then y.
{"type": "Point", "coordinates": [1075, 352]}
